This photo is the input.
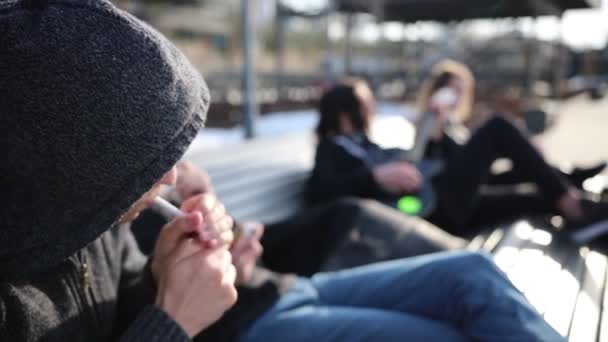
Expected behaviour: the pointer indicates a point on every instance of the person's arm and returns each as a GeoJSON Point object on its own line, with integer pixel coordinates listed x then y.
{"type": "Point", "coordinates": [337, 174]}
{"type": "Point", "coordinates": [136, 294]}
{"type": "Point", "coordinates": [153, 324]}
{"type": "Point", "coordinates": [192, 269]}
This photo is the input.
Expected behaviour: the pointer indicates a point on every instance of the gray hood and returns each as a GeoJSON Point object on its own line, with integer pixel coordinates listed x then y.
{"type": "Point", "coordinates": [95, 106]}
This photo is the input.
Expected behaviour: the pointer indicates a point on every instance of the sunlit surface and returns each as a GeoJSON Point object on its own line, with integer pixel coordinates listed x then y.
{"type": "Point", "coordinates": [393, 132]}
{"type": "Point", "coordinates": [588, 308]}
{"type": "Point", "coordinates": [596, 184]}
{"type": "Point", "coordinates": [541, 237]}
{"type": "Point", "coordinates": [551, 282]}
{"type": "Point", "coordinates": [524, 230]}
{"type": "Point", "coordinates": [557, 221]}
{"type": "Point", "coordinates": [563, 294]}
{"type": "Point", "coordinates": [493, 240]}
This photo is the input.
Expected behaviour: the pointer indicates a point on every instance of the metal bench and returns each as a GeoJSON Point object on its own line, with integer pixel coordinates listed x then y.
{"type": "Point", "coordinates": [565, 282]}
{"type": "Point", "coordinates": [262, 179]}
{"type": "Point", "coordinates": [568, 284]}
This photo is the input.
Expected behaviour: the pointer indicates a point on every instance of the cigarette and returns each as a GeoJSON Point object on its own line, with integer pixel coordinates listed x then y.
{"type": "Point", "coordinates": [166, 209]}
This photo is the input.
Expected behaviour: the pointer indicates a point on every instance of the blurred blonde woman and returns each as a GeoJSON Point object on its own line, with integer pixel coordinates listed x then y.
{"type": "Point", "coordinates": [451, 76]}
{"type": "Point", "coordinates": [449, 95]}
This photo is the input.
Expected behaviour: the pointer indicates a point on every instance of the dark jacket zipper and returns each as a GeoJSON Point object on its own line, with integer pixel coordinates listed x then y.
{"type": "Point", "coordinates": [82, 282]}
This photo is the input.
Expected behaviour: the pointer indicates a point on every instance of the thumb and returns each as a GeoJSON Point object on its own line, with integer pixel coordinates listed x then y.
{"type": "Point", "coordinates": [177, 230]}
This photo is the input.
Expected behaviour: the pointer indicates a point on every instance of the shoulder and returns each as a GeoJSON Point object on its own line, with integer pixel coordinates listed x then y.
{"type": "Point", "coordinates": [348, 145]}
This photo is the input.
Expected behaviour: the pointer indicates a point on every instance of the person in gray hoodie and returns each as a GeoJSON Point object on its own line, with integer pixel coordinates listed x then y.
{"type": "Point", "coordinates": [96, 110]}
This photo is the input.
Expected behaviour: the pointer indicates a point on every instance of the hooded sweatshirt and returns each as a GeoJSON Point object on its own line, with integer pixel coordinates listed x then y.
{"type": "Point", "coordinates": [95, 107]}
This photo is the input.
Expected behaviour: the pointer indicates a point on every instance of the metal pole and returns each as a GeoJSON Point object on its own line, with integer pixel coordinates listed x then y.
{"type": "Point", "coordinates": [528, 74]}
{"type": "Point", "coordinates": [328, 64]}
{"type": "Point", "coordinates": [348, 44]}
{"type": "Point", "coordinates": [250, 108]}
{"type": "Point", "coordinates": [377, 8]}
{"type": "Point", "coordinates": [559, 69]}
{"type": "Point", "coordinates": [280, 49]}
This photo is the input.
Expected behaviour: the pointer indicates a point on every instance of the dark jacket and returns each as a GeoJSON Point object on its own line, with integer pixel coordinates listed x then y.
{"type": "Point", "coordinates": [95, 107]}
{"type": "Point", "coordinates": [94, 295]}
{"type": "Point", "coordinates": [344, 167]}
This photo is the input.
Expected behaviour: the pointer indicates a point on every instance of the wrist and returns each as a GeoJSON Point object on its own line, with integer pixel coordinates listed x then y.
{"type": "Point", "coordinates": [155, 271]}
{"type": "Point", "coordinates": [173, 313]}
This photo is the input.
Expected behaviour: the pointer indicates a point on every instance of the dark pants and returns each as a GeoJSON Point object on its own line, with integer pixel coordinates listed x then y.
{"type": "Point", "coordinates": [346, 233]}
{"type": "Point", "coordinates": [463, 208]}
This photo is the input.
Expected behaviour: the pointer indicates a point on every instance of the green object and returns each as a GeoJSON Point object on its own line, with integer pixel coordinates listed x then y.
{"type": "Point", "coordinates": [410, 205]}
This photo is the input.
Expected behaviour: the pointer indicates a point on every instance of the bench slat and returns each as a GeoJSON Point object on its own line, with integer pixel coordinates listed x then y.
{"type": "Point", "coordinates": [565, 293]}
{"type": "Point", "coordinates": [252, 150]}
{"type": "Point", "coordinates": [259, 178]}
{"type": "Point", "coordinates": [271, 211]}
{"type": "Point", "coordinates": [477, 242]}
{"type": "Point", "coordinates": [603, 328]}
{"type": "Point", "coordinates": [230, 173]}
{"type": "Point", "coordinates": [539, 265]}
{"type": "Point", "coordinates": [507, 249]}
{"type": "Point", "coordinates": [244, 206]}
{"type": "Point", "coordinates": [263, 192]}
{"type": "Point", "coordinates": [293, 157]}
{"type": "Point", "coordinates": [589, 303]}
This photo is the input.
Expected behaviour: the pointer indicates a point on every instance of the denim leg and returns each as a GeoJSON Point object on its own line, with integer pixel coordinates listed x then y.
{"type": "Point", "coordinates": [463, 289]}
{"type": "Point", "coordinates": [300, 316]}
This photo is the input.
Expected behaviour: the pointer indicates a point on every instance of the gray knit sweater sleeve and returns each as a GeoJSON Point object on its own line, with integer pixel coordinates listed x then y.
{"type": "Point", "coordinates": [154, 325]}
{"type": "Point", "coordinates": [137, 319]}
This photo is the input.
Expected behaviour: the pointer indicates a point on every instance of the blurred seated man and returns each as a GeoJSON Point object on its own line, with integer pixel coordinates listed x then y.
{"type": "Point", "coordinates": [345, 233]}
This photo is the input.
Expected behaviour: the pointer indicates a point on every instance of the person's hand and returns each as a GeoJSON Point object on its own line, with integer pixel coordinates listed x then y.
{"type": "Point", "coordinates": [218, 224]}
{"type": "Point", "coordinates": [444, 100]}
{"type": "Point", "coordinates": [442, 104]}
{"type": "Point", "coordinates": [195, 283]}
{"type": "Point", "coordinates": [398, 177]}
{"type": "Point", "coordinates": [246, 250]}
{"type": "Point", "coordinates": [191, 181]}
{"type": "Point", "coordinates": [214, 230]}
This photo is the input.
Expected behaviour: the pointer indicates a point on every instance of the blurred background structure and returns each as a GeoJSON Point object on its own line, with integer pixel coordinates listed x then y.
{"type": "Point", "coordinates": [524, 54]}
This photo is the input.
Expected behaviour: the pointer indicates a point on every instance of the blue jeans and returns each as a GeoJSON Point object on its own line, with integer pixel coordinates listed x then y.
{"type": "Point", "coordinates": [454, 296]}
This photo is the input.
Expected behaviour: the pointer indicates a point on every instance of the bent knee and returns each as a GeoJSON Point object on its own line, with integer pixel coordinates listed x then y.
{"type": "Point", "coordinates": [472, 261]}
{"type": "Point", "coordinates": [498, 122]}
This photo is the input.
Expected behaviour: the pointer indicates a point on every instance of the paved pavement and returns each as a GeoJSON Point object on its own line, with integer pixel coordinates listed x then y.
{"type": "Point", "coordinates": [580, 134]}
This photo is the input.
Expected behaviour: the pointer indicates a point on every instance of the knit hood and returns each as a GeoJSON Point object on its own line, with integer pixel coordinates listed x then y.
{"type": "Point", "coordinates": [95, 107]}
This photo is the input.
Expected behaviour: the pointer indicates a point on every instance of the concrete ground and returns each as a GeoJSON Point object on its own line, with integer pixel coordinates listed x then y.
{"type": "Point", "coordinates": [580, 134]}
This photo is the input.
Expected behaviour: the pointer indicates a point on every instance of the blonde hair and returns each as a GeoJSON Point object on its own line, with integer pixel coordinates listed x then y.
{"type": "Point", "coordinates": [441, 73]}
